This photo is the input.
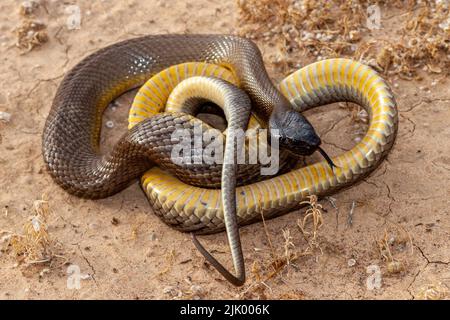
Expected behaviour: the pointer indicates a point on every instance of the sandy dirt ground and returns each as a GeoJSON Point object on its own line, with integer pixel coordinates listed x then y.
{"type": "Point", "coordinates": [124, 251]}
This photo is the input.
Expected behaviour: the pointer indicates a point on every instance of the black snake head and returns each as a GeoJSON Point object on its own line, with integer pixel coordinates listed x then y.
{"type": "Point", "coordinates": [295, 133]}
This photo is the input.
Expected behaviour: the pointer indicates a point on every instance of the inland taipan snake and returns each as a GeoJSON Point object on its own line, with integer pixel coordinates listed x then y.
{"type": "Point", "coordinates": [187, 196]}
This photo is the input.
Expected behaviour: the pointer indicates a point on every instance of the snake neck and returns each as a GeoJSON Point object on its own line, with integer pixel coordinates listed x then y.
{"type": "Point", "coordinates": [244, 59]}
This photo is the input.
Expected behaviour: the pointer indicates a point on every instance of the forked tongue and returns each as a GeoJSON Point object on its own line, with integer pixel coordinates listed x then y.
{"type": "Point", "coordinates": [327, 158]}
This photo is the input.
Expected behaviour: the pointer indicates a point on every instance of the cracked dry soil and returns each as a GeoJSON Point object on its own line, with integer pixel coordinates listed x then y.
{"type": "Point", "coordinates": [129, 253]}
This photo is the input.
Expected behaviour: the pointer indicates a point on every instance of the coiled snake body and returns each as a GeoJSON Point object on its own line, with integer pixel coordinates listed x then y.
{"type": "Point", "coordinates": [71, 133]}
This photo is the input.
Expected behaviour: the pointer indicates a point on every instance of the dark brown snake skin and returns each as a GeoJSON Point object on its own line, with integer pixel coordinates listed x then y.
{"type": "Point", "coordinates": [72, 130]}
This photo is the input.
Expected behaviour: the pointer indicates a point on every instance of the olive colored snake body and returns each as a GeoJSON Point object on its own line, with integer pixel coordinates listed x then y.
{"type": "Point", "coordinates": [71, 134]}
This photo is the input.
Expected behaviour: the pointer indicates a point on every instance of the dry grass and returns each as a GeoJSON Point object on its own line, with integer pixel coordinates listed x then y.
{"type": "Point", "coordinates": [31, 34]}
{"type": "Point", "coordinates": [337, 28]}
{"type": "Point", "coordinates": [436, 291]}
{"type": "Point", "coordinates": [34, 245]}
{"type": "Point", "coordinates": [313, 214]}
{"type": "Point", "coordinates": [394, 241]}
{"type": "Point", "coordinates": [169, 258]}
{"type": "Point", "coordinates": [384, 247]}
{"type": "Point", "coordinates": [284, 257]}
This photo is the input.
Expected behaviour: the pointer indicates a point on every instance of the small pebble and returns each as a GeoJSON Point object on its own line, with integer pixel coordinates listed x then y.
{"type": "Point", "coordinates": [35, 223]}
{"type": "Point", "coordinates": [5, 238]}
{"type": "Point", "coordinates": [196, 290]}
{"type": "Point", "coordinates": [27, 7]}
{"type": "Point", "coordinates": [93, 226]}
{"type": "Point", "coordinates": [85, 276]}
{"type": "Point", "coordinates": [114, 221]}
{"type": "Point", "coordinates": [43, 272]}
{"type": "Point", "coordinates": [5, 116]}
{"type": "Point", "coordinates": [363, 114]}
{"type": "Point", "coordinates": [351, 262]}
{"type": "Point", "coordinates": [169, 290]}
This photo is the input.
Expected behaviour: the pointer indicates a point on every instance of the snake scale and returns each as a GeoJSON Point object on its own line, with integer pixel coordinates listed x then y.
{"type": "Point", "coordinates": [177, 193]}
